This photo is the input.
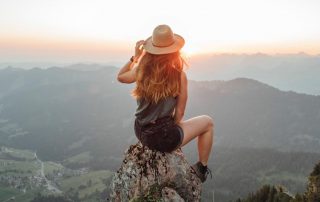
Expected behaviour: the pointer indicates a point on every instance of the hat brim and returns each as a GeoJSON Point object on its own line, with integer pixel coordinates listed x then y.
{"type": "Point", "coordinates": [176, 46]}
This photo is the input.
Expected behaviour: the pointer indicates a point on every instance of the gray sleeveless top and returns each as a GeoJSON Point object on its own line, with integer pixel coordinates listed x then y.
{"type": "Point", "coordinates": [147, 112]}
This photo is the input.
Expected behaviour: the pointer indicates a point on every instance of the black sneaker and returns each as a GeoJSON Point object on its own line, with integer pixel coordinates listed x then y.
{"type": "Point", "coordinates": [201, 171]}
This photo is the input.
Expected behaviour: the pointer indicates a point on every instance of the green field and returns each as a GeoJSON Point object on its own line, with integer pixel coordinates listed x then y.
{"type": "Point", "coordinates": [50, 166]}
{"type": "Point", "coordinates": [19, 196]}
{"type": "Point", "coordinates": [83, 157]}
{"type": "Point", "coordinates": [94, 176]}
{"type": "Point", "coordinates": [18, 153]}
{"type": "Point", "coordinates": [6, 193]}
{"type": "Point", "coordinates": [18, 167]}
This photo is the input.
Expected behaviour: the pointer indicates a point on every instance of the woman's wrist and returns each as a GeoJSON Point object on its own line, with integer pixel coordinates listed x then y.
{"type": "Point", "coordinates": [133, 59]}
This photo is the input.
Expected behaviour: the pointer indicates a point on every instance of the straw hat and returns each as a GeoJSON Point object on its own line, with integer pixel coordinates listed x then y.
{"type": "Point", "coordinates": [163, 41]}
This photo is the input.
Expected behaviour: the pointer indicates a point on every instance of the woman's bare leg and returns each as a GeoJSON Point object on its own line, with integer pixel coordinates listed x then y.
{"type": "Point", "coordinates": [203, 128]}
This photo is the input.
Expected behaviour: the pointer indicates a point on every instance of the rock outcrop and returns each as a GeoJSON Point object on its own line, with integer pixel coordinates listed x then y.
{"type": "Point", "coordinates": [148, 175]}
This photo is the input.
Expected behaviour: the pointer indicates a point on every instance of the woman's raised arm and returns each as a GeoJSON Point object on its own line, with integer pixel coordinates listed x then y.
{"type": "Point", "coordinates": [127, 73]}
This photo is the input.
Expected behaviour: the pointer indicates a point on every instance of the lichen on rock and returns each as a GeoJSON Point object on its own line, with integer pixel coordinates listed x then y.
{"type": "Point", "coordinates": [149, 175]}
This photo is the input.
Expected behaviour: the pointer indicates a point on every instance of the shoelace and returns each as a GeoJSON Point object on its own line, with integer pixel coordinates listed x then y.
{"type": "Point", "coordinates": [208, 171]}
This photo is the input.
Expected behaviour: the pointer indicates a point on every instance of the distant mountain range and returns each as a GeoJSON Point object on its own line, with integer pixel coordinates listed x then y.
{"type": "Point", "coordinates": [84, 118]}
{"type": "Point", "coordinates": [252, 114]}
{"type": "Point", "coordinates": [297, 72]}
{"type": "Point", "coordinates": [60, 111]}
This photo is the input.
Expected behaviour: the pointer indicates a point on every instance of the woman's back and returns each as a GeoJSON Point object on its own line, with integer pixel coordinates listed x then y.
{"type": "Point", "coordinates": [147, 112]}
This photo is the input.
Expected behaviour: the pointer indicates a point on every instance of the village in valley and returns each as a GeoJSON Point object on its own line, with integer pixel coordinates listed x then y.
{"type": "Point", "coordinates": [23, 175]}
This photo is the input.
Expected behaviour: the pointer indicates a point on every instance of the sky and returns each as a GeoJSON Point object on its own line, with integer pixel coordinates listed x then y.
{"type": "Point", "coordinates": [103, 30]}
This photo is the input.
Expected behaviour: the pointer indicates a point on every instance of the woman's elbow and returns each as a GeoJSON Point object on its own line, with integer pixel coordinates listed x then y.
{"type": "Point", "coordinates": [178, 118]}
{"type": "Point", "coordinates": [120, 79]}
{"type": "Point", "coordinates": [179, 114]}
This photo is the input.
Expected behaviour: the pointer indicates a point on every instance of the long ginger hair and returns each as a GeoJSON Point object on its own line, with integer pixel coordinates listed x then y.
{"type": "Point", "coordinates": [158, 76]}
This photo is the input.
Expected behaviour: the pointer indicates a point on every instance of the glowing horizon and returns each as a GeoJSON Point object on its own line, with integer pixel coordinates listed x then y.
{"type": "Point", "coordinates": [92, 30]}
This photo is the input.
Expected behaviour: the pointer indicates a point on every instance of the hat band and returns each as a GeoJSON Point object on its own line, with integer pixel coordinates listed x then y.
{"type": "Point", "coordinates": [162, 46]}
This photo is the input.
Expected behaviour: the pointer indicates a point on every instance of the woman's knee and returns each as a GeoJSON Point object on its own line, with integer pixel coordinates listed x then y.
{"type": "Point", "coordinates": [209, 121]}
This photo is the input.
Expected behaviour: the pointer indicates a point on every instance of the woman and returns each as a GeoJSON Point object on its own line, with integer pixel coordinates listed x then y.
{"type": "Point", "coordinates": [161, 93]}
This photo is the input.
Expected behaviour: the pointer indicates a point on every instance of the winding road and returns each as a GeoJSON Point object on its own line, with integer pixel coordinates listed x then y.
{"type": "Point", "coordinates": [49, 185]}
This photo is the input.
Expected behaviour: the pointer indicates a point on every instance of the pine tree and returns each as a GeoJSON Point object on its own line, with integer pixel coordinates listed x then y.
{"type": "Point", "coordinates": [268, 193]}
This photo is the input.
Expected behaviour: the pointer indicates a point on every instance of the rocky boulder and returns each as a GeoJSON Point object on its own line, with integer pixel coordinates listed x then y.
{"type": "Point", "coordinates": [148, 175]}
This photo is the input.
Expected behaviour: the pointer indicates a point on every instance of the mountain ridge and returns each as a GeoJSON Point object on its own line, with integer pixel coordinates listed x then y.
{"type": "Point", "coordinates": [85, 118]}
{"type": "Point", "coordinates": [62, 94]}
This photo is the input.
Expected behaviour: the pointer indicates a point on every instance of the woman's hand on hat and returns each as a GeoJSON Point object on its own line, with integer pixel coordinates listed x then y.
{"type": "Point", "coordinates": [139, 49]}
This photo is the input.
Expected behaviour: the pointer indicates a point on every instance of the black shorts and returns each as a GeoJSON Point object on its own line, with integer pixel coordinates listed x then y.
{"type": "Point", "coordinates": [164, 135]}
